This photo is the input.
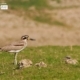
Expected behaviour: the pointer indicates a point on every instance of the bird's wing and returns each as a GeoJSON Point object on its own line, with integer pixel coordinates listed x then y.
{"type": "Point", "coordinates": [13, 46]}
{"type": "Point", "coordinates": [17, 44]}
{"type": "Point", "coordinates": [10, 47]}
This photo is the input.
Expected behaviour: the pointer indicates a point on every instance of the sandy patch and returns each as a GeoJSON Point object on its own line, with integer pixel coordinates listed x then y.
{"type": "Point", "coordinates": [12, 27]}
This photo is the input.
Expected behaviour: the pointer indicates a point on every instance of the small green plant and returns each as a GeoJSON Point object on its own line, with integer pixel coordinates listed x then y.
{"type": "Point", "coordinates": [58, 1]}
{"type": "Point", "coordinates": [58, 23]}
{"type": "Point", "coordinates": [42, 19]}
{"type": "Point", "coordinates": [48, 20]}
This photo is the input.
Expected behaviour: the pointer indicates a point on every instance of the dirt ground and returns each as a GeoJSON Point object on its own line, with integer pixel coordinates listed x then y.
{"type": "Point", "coordinates": [12, 27]}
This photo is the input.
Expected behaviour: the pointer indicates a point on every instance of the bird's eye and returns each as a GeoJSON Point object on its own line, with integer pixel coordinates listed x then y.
{"type": "Point", "coordinates": [24, 37]}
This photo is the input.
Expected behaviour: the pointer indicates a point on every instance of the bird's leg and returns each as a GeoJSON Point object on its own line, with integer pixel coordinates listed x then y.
{"type": "Point", "coordinates": [15, 58]}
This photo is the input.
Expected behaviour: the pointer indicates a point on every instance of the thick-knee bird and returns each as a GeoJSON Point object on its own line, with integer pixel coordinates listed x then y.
{"type": "Point", "coordinates": [16, 47]}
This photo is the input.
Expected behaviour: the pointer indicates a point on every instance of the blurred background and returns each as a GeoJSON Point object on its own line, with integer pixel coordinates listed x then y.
{"type": "Point", "coordinates": [50, 22]}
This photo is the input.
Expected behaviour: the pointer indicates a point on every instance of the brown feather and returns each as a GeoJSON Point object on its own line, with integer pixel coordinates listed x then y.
{"type": "Point", "coordinates": [20, 43]}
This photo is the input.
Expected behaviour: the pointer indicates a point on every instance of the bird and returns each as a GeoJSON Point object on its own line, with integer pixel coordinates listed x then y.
{"type": "Point", "coordinates": [24, 63]}
{"type": "Point", "coordinates": [17, 46]}
{"type": "Point", "coordinates": [69, 60]}
{"type": "Point", "coordinates": [41, 64]}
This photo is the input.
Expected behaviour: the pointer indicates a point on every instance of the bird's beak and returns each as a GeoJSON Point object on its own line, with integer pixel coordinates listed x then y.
{"type": "Point", "coordinates": [31, 39]}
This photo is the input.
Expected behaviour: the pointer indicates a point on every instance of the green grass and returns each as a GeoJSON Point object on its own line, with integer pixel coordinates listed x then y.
{"type": "Point", "coordinates": [46, 19]}
{"type": "Point", "coordinates": [38, 4]}
{"type": "Point", "coordinates": [52, 55]}
{"type": "Point", "coordinates": [38, 11]}
{"type": "Point", "coordinates": [25, 4]}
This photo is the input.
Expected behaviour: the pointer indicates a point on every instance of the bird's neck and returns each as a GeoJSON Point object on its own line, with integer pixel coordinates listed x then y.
{"type": "Point", "coordinates": [25, 41]}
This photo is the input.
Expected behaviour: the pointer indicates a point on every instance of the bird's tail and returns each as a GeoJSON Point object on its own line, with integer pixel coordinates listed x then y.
{"type": "Point", "coordinates": [0, 49]}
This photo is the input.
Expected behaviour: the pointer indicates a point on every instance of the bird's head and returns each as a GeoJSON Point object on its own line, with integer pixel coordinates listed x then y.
{"type": "Point", "coordinates": [68, 57]}
{"type": "Point", "coordinates": [27, 37]}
